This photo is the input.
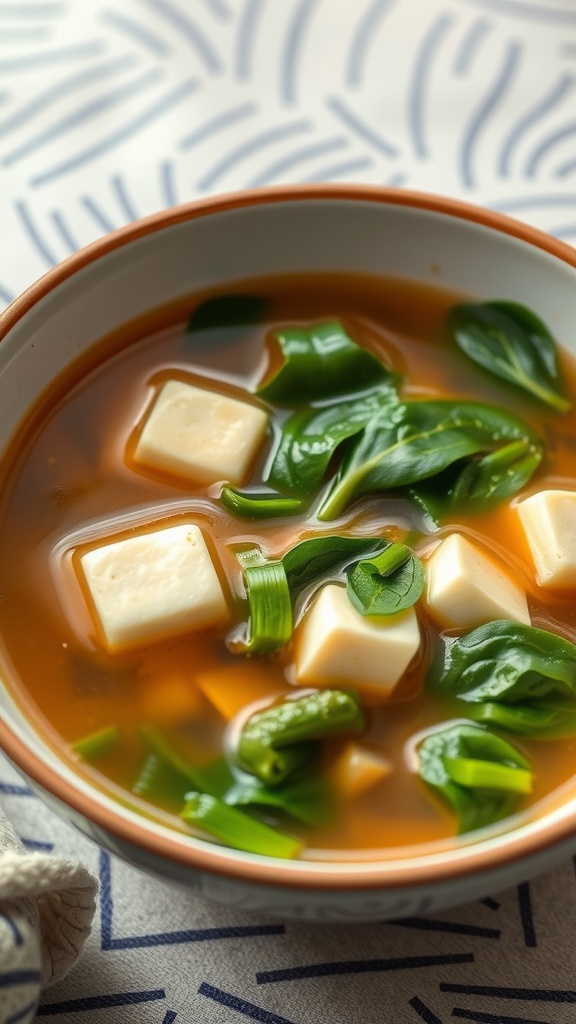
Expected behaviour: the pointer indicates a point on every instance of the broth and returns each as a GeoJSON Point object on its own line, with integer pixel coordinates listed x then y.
{"type": "Point", "coordinates": [67, 482]}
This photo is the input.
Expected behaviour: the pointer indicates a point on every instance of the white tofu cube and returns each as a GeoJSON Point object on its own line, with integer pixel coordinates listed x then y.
{"type": "Point", "coordinates": [549, 522]}
{"type": "Point", "coordinates": [200, 435]}
{"type": "Point", "coordinates": [154, 585]}
{"type": "Point", "coordinates": [337, 645]}
{"type": "Point", "coordinates": [466, 587]}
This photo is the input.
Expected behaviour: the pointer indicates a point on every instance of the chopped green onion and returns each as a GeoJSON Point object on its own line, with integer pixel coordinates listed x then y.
{"type": "Point", "coordinates": [270, 621]}
{"type": "Point", "coordinates": [237, 829]}
{"type": "Point", "coordinates": [158, 780]}
{"type": "Point", "coordinates": [98, 744]}
{"type": "Point", "coordinates": [164, 747]}
{"type": "Point", "coordinates": [488, 775]}
{"type": "Point", "coordinates": [276, 741]}
{"type": "Point", "coordinates": [259, 506]}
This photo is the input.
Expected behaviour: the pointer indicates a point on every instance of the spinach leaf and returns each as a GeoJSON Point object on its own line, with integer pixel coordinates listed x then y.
{"type": "Point", "coordinates": [541, 719]}
{"type": "Point", "coordinates": [309, 439]}
{"type": "Point", "coordinates": [388, 583]}
{"type": "Point", "coordinates": [498, 475]}
{"type": "Point", "coordinates": [305, 799]}
{"type": "Point", "coordinates": [511, 342]}
{"type": "Point", "coordinates": [411, 441]}
{"type": "Point", "coordinates": [228, 311]}
{"type": "Point", "coordinates": [442, 754]}
{"type": "Point", "coordinates": [321, 361]}
{"type": "Point", "coordinates": [506, 662]}
{"type": "Point", "coordinates": [322, 558]}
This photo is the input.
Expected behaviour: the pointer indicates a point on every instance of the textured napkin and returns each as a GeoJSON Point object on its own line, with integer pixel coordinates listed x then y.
{"type": "Point", "coordinates": [47, 904]}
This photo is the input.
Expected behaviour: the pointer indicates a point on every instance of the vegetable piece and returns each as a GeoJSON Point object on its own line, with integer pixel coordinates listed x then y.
{"type": "Point", "coordinates": [251, 505]}
{"type": "Point", "coordinates": [236, 829]}
{"type": "Point", "coordinates": [273, 586]}
{"type": "Point", "coordinates": [512, 343]}
{"type": "Point", "coordinates": [270, 619]}
{"type": "Point", "coordinates": [498, 475]}
{"type": "Point", "coordinates": [212, 778]}
{"type": "Point", "coordinates": [412, 441]}
{"type": "Point", "coordinates": [159, 781]}
{"type": "Point", "coordinates": [321, 360]}
{"type": "Point", "coordinates": [309, 439]}
{"type": "Point", "coordinates": [476, 805]}
{"type": "Point", "coordinates": [274, 742]}
{"type": "Point", "coordinates": [506, 662]}
{"type": "Point", "coordinates": [230, 692]}
{"type": "Point", "coordinates": [305, 799]}
{"type": "Point", "coordinates": [541, 719]}
{"type": "Point", "coordinates": [322, 558]}
{"type": "Point", "coordinates": [98, 744]}
{"type": "Point", "coordinates": [487, 775]}
{"type": "Point", "coordinates": [387, 583]}
{"type": "Point", "coordinates": [356, 769]}
{"type": "Point", "coordinates": [228, 311]}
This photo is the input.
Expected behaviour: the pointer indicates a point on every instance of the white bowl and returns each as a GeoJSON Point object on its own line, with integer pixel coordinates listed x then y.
{"type": "Point", "coordinates": [214, 243]}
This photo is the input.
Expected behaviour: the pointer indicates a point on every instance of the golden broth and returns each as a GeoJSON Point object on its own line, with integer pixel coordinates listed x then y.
{"type": "Point", "coordinates": [66, 481]}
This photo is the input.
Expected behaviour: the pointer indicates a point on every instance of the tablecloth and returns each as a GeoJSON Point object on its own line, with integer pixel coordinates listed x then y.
{"type": "Point", "coordinates": [111, 110]}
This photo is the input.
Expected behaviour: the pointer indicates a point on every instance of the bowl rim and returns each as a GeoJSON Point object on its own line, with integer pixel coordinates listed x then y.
{"type": "Point", "coordinates": [420, 871]}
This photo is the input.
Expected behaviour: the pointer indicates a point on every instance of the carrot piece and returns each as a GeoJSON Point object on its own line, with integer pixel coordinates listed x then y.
{"type": "Point", "coordinates": [230, 691]}
{"type": "Point", "coordinates": [170, 697]}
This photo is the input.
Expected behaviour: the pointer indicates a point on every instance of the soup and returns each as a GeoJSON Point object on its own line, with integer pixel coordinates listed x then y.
{"type": "Point", "coordinates": [373, 655]}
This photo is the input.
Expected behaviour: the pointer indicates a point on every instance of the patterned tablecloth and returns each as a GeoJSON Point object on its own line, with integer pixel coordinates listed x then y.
{"type": "Point", "coordinates": [111, 110]}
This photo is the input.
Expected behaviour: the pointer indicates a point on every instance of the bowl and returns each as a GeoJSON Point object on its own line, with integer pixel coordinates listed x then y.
{"type": "Point", "coordinates": [211, 243]}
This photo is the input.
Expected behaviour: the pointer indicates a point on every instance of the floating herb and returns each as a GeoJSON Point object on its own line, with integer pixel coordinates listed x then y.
{"type": "Point", "coordinates": [523, 678]}
{"type": "Point", "coordinates": [309, 439]}
{"type": "Point", "coordinates": [475, 772]}
{"type": "Point", "coordinates": [512, 343]}
{"type": "Point", "coordinates": [249, 505]}
{"type": "Point", "coordinates": [413, 441]}
{"type": "Point", "coordinates": [321, 361]}
{"type": "Point", "coordinates": [228, 311]}
{"type": "Point", "coordinates": [270, 620]}
{"type": "Point", "coordinates": [98, 744]}
{"type": "Point", "coordinates": [387, 583]}
{"type": "Point", "coordinates": [237, 829]}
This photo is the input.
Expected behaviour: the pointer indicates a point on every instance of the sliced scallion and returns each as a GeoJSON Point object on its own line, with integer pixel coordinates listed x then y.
{"type": "Point", "coordinates": [237, 829]}
{"type": "Point", "coordinates": [98, 744]}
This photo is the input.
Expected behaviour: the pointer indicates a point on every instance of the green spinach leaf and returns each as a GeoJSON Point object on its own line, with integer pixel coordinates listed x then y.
{"type": "Point", "coordinates": [309, 439]}
{"type": "Point", "coordinates": [321, 361]}
{"type": "Point", "coordinates": [388, 583]}
{"type": "Point", "coordinates": [305, 799]}
{"type": "Point", "coordinates": [506, 662]}
{"type": "Point", "coordinates": [411, 441]}
{"type": "Point", "coordinates": [441, 756]}
{"type": "Point", "coordinates": [511, 342]}
{"type": "Point", "coordinates": [323, 558]}
{"type": "Point", "coordinates": [228, 311]}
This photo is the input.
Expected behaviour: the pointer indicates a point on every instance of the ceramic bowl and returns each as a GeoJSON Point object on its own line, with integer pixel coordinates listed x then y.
{"type": "Point", "coordinates": [216, 242]}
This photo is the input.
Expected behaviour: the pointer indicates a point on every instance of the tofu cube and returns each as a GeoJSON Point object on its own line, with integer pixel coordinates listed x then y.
{"type": "Point", "coordinates": [153, 585]}
{"type": "Point", "coordinates": [466, 587]}
{"type": "Point", "coordinates": [200, 435]}
{"type": "Point", "coordinates": [337, 645]}
{"type": "Point", "coordinates": [549, 522]}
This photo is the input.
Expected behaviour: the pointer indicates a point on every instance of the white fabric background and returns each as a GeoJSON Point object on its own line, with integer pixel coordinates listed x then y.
{"type": "Point", "coordinates": [112, 110]}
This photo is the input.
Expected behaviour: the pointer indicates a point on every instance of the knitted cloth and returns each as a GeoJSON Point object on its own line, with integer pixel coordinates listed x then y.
{"type": "Point", "coordinates": [46, 910]}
